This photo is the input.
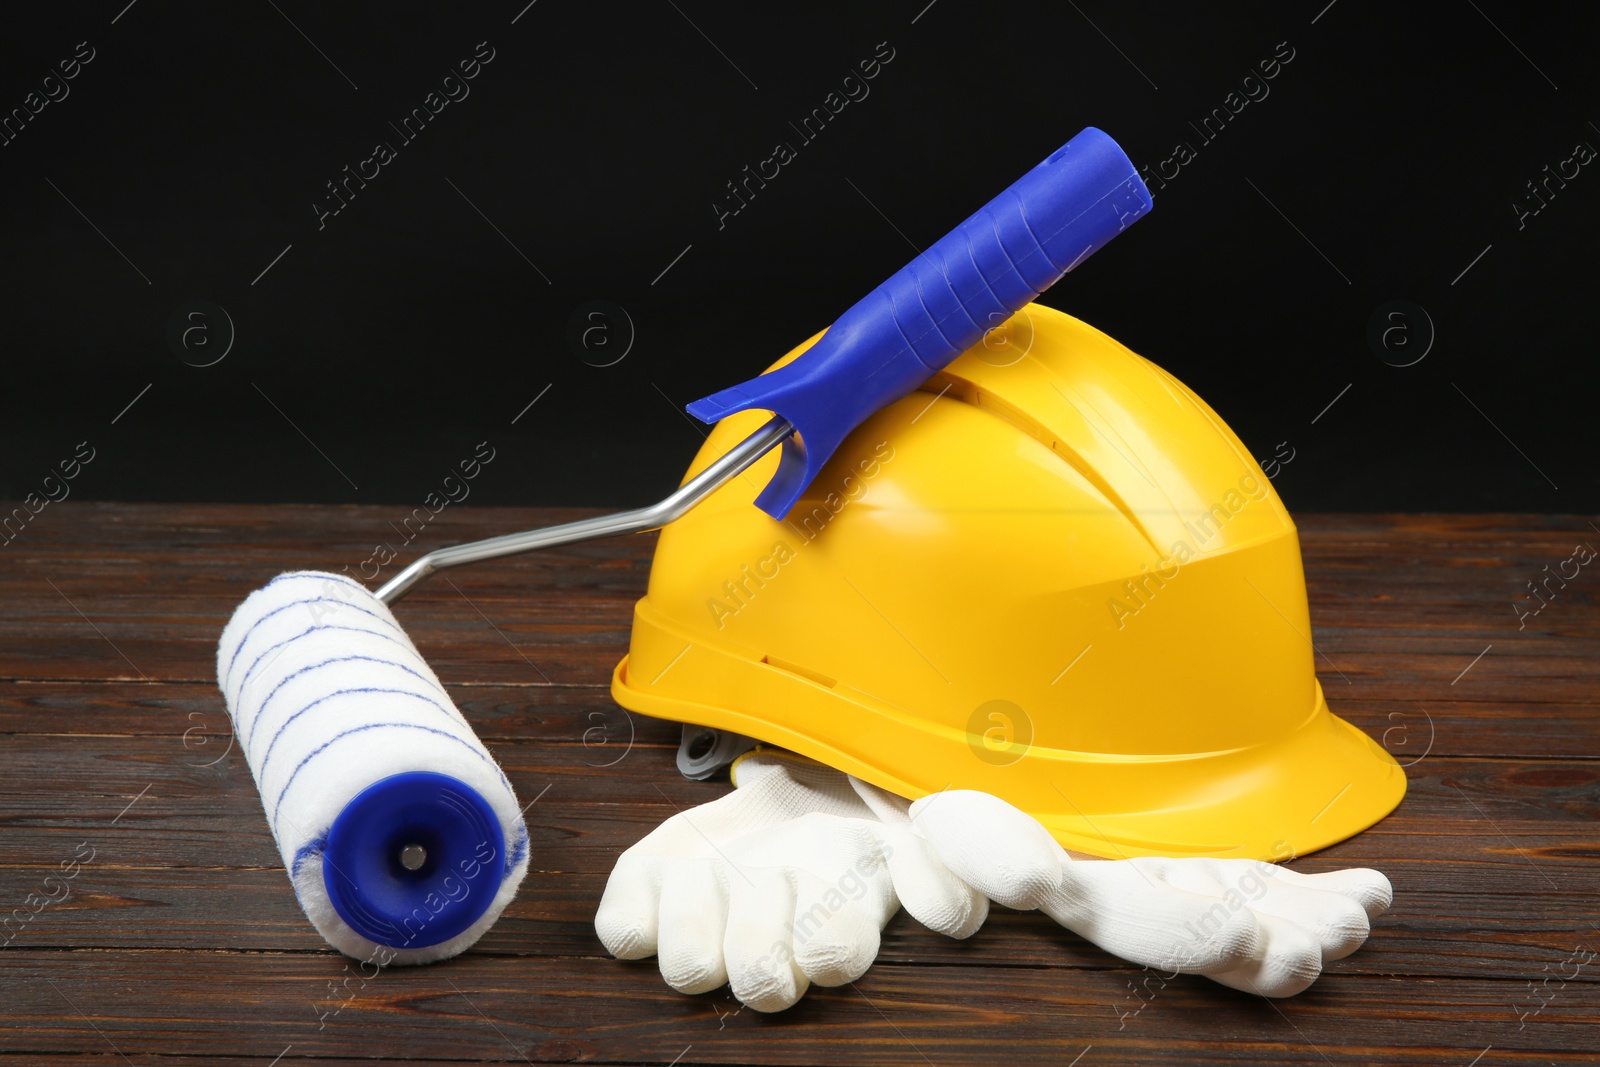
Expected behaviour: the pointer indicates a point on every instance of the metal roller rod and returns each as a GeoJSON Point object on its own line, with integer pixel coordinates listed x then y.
{"type": "Point", "coordinates": [719, 473]}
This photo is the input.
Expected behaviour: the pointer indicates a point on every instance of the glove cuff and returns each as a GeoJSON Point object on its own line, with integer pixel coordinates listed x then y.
{"type": "Point", "coordinates": [783, 785]}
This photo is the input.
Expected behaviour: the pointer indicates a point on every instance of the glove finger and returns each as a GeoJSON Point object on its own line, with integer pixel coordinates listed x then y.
{"type": "Point", "coordinates": [1291, 959]}
{"type": "Point", "coordinates": [627, 919]}
{"type": "Point", "coordinates": [1367, 887]}
{"type": "Point", "coordinates": [1338, 922]}
{"type": "Point", "coordinates": [835, 936]}
{"type": "Point", "coordinates": [930, 891]}
{"type": "Point", "coordinates": [1130, 911]}
{"type": "Point", "coordinates": [694, 920]}
{"type": "Point", "coordinates": [1004, 853]}
{"type": "Point", "coordinates": [758, 947]}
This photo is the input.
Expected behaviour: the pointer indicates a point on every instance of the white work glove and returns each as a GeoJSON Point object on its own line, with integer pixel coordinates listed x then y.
{"type": "Point", "coordinates": [1247, 924]}
{"type": "Point", "coordinates": [786, 881]}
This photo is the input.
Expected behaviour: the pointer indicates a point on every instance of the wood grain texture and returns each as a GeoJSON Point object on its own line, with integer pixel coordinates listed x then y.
{"type": "Point", "coordinates": [181, 937]}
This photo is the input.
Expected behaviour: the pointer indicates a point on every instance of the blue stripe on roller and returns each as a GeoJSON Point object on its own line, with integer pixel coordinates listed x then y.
{"type": "Point", "coordinates": [278, 804]}
{"type": "Point", "coordinates": [244, 680]}
{"type": "Point", "coordinates": [261, 770]}
{"type": "Point", "coordinates": [262, 707]}
{"type": "Point", "coordinates": [321, 576]}
{"type": "Point", "coordinates": [310, 849]}
{"type": "Point", "coordinates": [296, 603]}
{"type": "Point", "coordinates": [519, 849]}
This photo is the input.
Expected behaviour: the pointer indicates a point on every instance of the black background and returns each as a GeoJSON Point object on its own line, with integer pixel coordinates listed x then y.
{"type": "Point", "coordinates": [1385, 159]}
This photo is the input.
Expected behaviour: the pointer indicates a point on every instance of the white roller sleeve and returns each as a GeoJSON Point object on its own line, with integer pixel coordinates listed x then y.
{"type": "Point", "coordinates": [327, 697]}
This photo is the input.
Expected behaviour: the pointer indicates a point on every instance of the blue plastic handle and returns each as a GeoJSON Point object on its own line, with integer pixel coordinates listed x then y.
{"type": "Point", "coordinates": [939, 305]}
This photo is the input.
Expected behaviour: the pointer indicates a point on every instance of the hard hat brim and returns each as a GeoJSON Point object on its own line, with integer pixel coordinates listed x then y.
{"type": "Point", "coordinates": [1324, 781]}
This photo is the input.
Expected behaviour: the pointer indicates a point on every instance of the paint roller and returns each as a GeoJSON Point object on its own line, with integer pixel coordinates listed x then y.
{"type": "Point", "coordinates": [401, 835]}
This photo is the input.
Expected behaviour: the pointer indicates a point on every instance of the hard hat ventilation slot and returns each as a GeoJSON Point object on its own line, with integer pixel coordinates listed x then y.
{"type": "Point", "coordinates": [988, 401]}
{"type": "Point", "coordinates": [799, 671]}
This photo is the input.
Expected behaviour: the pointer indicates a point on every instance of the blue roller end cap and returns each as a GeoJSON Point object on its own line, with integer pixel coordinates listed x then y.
{"type": "Point", "coordinates": [414, 859]}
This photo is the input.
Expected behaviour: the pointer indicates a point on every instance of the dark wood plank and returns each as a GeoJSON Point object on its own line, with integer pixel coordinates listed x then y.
{"type": "Point", "coordinates": [77, 607]}
{"type": "Point", "coordinates": [183, 939]}
{"type": "Point", "coordinates": [1399, 611]}
{"type": "Point", "coordinates": [193, 712]}
{"type": "Point", "coordinates": [1540, 804]}
{"type": "Point", "coordinates": [1430, 935]}
{"type": "Point", "coordinates": [1474, 843]}
{"type": "Point", "coordinates": [484, 1007]}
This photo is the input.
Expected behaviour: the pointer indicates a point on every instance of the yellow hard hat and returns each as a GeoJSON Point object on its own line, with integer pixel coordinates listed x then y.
{"type": "Point", "coordinates": [1053, 574]}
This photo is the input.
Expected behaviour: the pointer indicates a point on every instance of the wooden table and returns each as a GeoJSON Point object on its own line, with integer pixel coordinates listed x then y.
{"type": "Point", "coordinates": [181, 937]}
